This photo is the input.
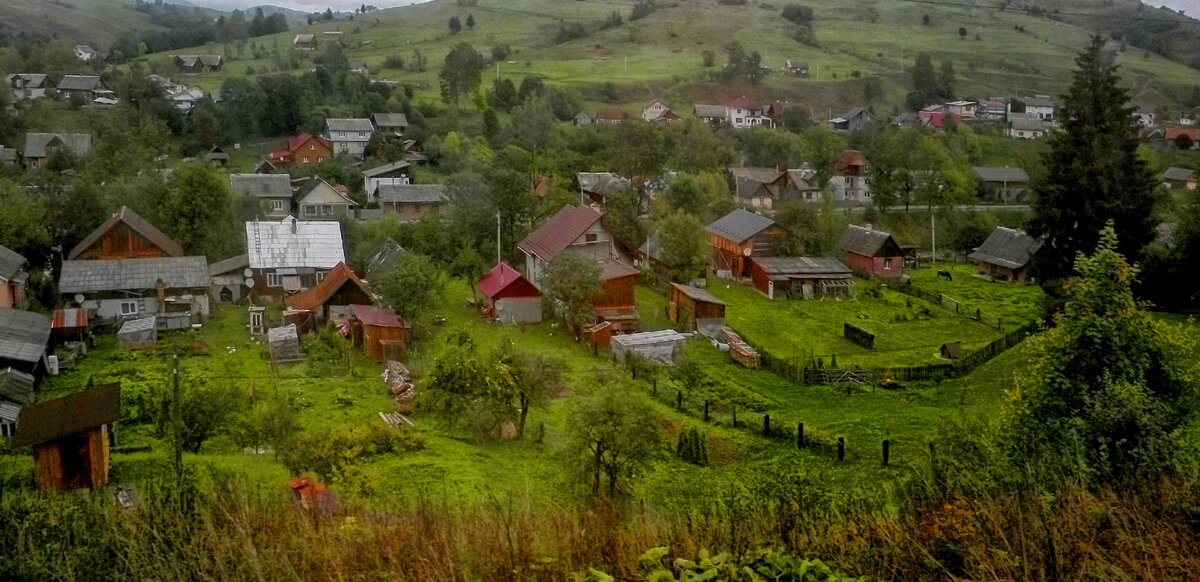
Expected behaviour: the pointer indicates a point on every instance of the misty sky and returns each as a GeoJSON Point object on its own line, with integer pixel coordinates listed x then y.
{"type": "Point", "coordinates": [1192, 7]}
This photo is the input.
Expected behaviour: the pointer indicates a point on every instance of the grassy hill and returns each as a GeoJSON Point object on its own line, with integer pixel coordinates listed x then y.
{"type": "Point", "coordinates": [1002, 53]}
{"type": "Point", "coordinates": [94, 22]}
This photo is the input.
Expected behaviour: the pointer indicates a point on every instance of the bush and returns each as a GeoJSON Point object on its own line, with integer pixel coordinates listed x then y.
{"type": "Point", "coordinates": [692, 447]}
{"type": "Point", "coordinates": [858, 335]}
{"type": "Point", "coordinates": [802, 15]}
{"type": "Point", "coordinates": [569, 32]}
{"type": "Point", "coordinates": [642, 9]}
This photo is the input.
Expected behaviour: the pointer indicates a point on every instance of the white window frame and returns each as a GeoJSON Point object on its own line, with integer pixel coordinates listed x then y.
{"type": "Point", "coordinates": [277, 204]}
{"type": "Point", "coordinates": [274, 280]}
{"type": "Point", "coordinates": [887, 264]}
{"type": "Point", "coordinates": [305, 160]}
{"type": "Point", "coordinates": [129, 308]}
{"type": "Point", "coordinates": [326, 210]}
{"type": "Point", "coordinates": [320, 276]}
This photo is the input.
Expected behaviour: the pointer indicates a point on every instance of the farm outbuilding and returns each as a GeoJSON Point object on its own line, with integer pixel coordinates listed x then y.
{"type": "Point", "coordinates": [951, 351]}
{"type": "Point", "coordinates": [284, 344]}
{"type": "Point", "coordinates": [16, 390]}
{"type": "Point", "coordinates": [1005, 255]}
{"type": "Point", "coordinates": [139, 333]}
{"type": "Point", "coordinates": [69, 324]}
{"type": "Point", "coordinates": [24, 336]}
{"type": "Point", "coordinates": [801, 277]}
{"type": "Point", "coordinates": [616, 302]}
{"type": "Point", "coordinates": [331, 297]}
{"type": "Point", "coordinates": [509, 297]}
{"type": "Point", "coordinates": [871, 252]}
{"type": "Point", "coordinates": [69, 438]}
{"type": "Point", "coordinates": [739, 236]}
{"type": "Point", "coordinates": [694, 308]}
{"type": "Point", "coordinates": [658, 346]}
{"type": "Point", "coordinates": [382, 335]}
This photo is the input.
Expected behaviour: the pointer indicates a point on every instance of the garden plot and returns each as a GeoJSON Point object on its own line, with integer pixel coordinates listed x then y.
{"type": "Point", "coordinates": [1014, 304]}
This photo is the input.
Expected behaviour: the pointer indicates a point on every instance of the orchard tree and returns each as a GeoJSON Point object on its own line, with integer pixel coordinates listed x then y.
{"type": "Point", "coordinates": [684, 248]}
{"type": "Point", "coordinates": [461, 73]}
{"type": "Point", "coordinates": [411, 285]}
{"type": "Point", "coordinates": [611, 433]}
{"type": "Point", "coordinates": [533, 375]}
{"type": "Point", "coordinates": [570, 283]}
{"type": "Point", "coordinates": [1093, 173]}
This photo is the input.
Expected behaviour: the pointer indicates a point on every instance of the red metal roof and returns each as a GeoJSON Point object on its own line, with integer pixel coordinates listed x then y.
{"type": "Point", "coordinates": [376, 316]}
{"type": "Point", "coordinates": [559, 232]}
{"type": "Point", "coordinates": [318, 295]}
{"type": "Point", "coordinates": [298, 142]}
{"type": "Point", "coordinates": [741, 103]}
{"type": "Point", "coordinates": [1174, 132]}
{"type": "Point", "coordinates": [850, 158]}
{"type": "Point", "coordinates": [610, 114]}
{"type": "Point", "coordinates": [502, 277]}
{"type": "Point", "coordinates": [69, 318]}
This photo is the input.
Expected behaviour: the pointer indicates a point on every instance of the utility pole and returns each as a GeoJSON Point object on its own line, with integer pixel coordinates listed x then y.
{"type": "Point", "coordinates": [177, 421]}
{"type": "Point", "coordinates": [497, 237]}
{"type": "Point", "coordinates": [933, 232]}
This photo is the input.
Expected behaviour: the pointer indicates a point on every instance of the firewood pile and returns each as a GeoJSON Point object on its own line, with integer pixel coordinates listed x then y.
{"type": "Point", "coordinates": [399, 381]}
{"type": "Point", "coordinates": [739, 350]}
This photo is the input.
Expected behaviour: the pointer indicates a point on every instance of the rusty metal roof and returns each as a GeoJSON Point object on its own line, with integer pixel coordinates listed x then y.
{"type": "Point", "coordinates": [68, 415]}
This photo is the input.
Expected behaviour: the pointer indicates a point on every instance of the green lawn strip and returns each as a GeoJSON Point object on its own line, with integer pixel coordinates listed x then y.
{"type": "Point", "coordinates": [1014, 304]}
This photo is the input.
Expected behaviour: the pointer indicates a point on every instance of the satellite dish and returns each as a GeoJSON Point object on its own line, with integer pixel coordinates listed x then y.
{"type": "Point", "coordinates": [249, 282]}
{"type": "Point", "coordinates": [746, 251]}
{"type": "Point", "coordinates": [79, 298]}
{"type": "Point", "coordinates": [248, 273]}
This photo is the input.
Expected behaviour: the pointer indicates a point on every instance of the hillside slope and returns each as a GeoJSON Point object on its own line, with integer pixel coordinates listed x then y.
{"type": "Point", "coordinates": [94, 22]}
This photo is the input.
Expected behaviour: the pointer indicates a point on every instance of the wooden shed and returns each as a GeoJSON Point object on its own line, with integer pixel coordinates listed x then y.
{"type": "Point", "coordinates": [339, 288]}
{"type": "Point", "coordinates": [509, 297]}
{"type": "Point", "coordinates": [801, 277]}
{"type": "Point", "coordinates": [691, 307]}
{"type": "Point", "coordinates": [951, 351]}
{"type": "Point", "coordinates": [139, 333]}
{"type": "Point", "coordinates": [616, 302]}
{"type": "Point", "coordinates": [1005, 255]}
{"type": "Point", "coordinates": [739, 236]}
{"type": "Point", "coordinates": [69, 437]}
{"type": "Point", "coordinates": [870, 252]}
{"type": "Point", "coordinates": [380, 333]}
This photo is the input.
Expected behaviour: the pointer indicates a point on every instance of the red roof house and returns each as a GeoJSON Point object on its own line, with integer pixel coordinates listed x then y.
{"type": "Point", "coordinates": [1172, 133]}
{"type": "Point", "coordinates": [509, 297]}
{"type": "Point", "coordinates": [382, 334]}
{"type": "Point", "coordinates": [301, 150]}
{"type": "Point", "coordinates": [574, 229]}
{"type": "Point", "coordinates": [339, 288]}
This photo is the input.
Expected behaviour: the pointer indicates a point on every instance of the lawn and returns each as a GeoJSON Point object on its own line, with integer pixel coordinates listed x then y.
{"type": "Point", "coordinates": [1014, 304]}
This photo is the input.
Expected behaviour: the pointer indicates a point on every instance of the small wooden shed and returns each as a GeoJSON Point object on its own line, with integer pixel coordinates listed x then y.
{"type": "Point", "coordinates": [951, 351]}
{"type": "Point", "coordinates": [339, 288]}
{"type": "Point", "coordinates": [69, 438]}
{"type": "Point", "coordinates": [692, 307]}
{"type": "Point", "coordinates": [509, 297]}
{"type": "Point", "coordinates": [659, 346]}
{"type": "Point", "coordinates": [378, 331]}
{"type": "Point", "coordinates": [139, 333]}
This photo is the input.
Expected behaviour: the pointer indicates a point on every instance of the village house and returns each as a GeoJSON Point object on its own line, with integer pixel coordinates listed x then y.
{"type": "Point", "coordinates": [938, 117]}
{"type": "Point", "coordinates": [992, 109]}
{"type": "Point", "coordinates": [86, 87]}
{"type": "Point", "coordinates": [28, 86]}
{"type": "Point", "coordinates": [302, 150]}
{"type": "Point", "coordinates": [574, 229]}
{"type": "Point", "coordinates": [24, 337]}
{"type": "Point", "coordinates": [305, 42]}
{"type": "Point", "coordinates": [1145, 116]}
{"type": "Point", "coordinates": [125, 235]}
{"type": "Point", "coordinates": [175, 289]}
{"type": "Point", "coordinates": [1002, 184]}
{"type": "Point", "coordinates": [332, 296]}
{"type": "Point", "coordinates": [508, 297]}
{"type": "Point", "coordinates": [963, 110]}
{"type": "Point", "coordinates": [1173, 178]}
{"type": "Point", "coordinates": [192, 64]}
{"type": "Point", "coordinates": [714, 115]}
{"type": "Point", "coordinates": [597, 187]}
{"type": "Point", "coordinates": [1039, 107]}
{"type": "Point", "coordinates": [12, 278]}
{"type": "Point", "coordinates": [796, 67]}
{"type": "Point", "coordinates": [1005, 255]}
{"type": "Point", "coordinates": [871, 252]}
{"type": "Point", "coordinates": [359, 67]}
{"type": "Point", "coordinates": [1024, 127]}
{"type": "Point", "coordinates": [741, 113]}
{"type": "Point", "coordinates": [16, 390]}
{"type": "Point", "coordinates": [609, 117]}
{"type": "Point", "coordinates": [849, 180]}
{"type": "Point", "coordinates": [85, 53]}
{"type": "Point", "coordinates": [412, 202]}
{"type": "Point", "coordinates": [393, 173]}
{"type": "Point", "coordinates": [379, 332]}
{"type": "Point", "coordinates": [757, 188]}
{"type": "Point", "coordinates": [656, 111]}
{"type": "Point", "coordinates": [393, 123]}
{"type": "Point", "coordinates": [737, 237]}
{"type": "Point", "coordinates": [335, 36]}
{"type": "Point", "coordinates": [1174, 137]}
{"type": "Point", "coordinates": [693, 308]}
{"type": "Point", "coordinates": [9, 157]}
{"type": "Point", "coordinates": [316, 199]}
{"type": "Point", "coordinates": [582, 119]}
{"type": "Point", "coordinates": [289, 256]}
{"type": "Point", "coordinates": [348, 136]}
{"type": "Point", "coordinates": [852, 120]}
{"type": "Point", "coordinates": [40, 146]}
{"type": "Point", "coordinates": [227, 278]}
{"type": "Point", "coordinates": [801, 277]}
{"type": "Point", "coordinates": [273, 190]}
{"type": "Point", "coordinates": [70, 438]}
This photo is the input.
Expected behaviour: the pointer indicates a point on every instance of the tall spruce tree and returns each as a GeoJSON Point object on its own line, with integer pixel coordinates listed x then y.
{"type": "Point", "coordinates": [1094, 173]}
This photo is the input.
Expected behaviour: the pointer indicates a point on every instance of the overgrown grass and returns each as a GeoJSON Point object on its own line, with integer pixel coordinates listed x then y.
{"type": "Point", "coordinates": [1014, 304]}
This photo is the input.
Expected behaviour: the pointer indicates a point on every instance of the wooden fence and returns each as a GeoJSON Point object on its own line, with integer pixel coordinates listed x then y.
{"type": "Point", "coordinates": [951, 304]}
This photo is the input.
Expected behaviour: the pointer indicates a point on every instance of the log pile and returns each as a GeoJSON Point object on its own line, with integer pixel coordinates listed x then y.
{"type": "Point", "coordinates": [739, 350]}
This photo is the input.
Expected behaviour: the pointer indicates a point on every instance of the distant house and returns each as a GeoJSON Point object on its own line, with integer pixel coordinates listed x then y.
{"type": "Point", "coordinates": [582, 119]}
{"type": "Point", "coordinates": [873, 253]}
{"type": "Point", "coordinates": [87, 87]}
{"type": "Point", "coordinates": [39, 146]}
{"type": "Point", "coordinates": [992, 109]}
{"type": "Point", "coordinates": [305, 42]}
{"type": "Point", "coordinates": [801, 277]}
{"type": "Point", "coordinates": [265, 167]}
{"type": "Point", "coordinates": [796, 67]}
{"type": "Point", "coordinates": [739, 236]}
{"type": "Point", "coordinates": [192, 64]}
{"type": "Point", "coordinates": [348, 136]}
{"type": "Point", "coordinates": [412, 201]}
{"type": "Point", "coordinates": [217, 156]}
{"type": "Point", "coordinates": [1005, 255]}
{"type": "Point", "coordinates": [692, 307]}
{"type": "Point", "coordinates": [852, 120]}
{"type": "Point", "coordinates": [316, 199]}
{"type": "Point", "coordinates": [24, 337]}
{"type": "Point", "coordinates": [69, 436]}
{"type": "Point", "coordinates": [393, 173]}
{"type": "Point", "coordinates": [1026, 127]}
{"type": "Point", "coordinates": [509, 297]}
{"type": "Point", "coordinates": [1173, 177]}
{"type": "Point", "coordinates": [963, 110]}
{"type": "Point", "coordinates": [657, 111]}
{"type": "Point", "coordinates": [359, 67]}
{"type": "Point", "coordinates": [741, 113]}
{"type": "Point", "coordinates": [394, 123]}
{"type": "Point", "coordinates": [849, 180]}
{"type": "Point", "coordinates": [1002, 184]}
{"type": "Point", "coordinates": [1039, 107]}
{"type": "Point", "coordinates": [85, 53]}
{"type": "Point", "coordinates": [938, 117]}
{"type": "Point", "coordinates": [599, 186]}
{"type": "Point", "coordinates": [289, 256]}
{"type": "Point", "coordinates": [28, 86]}
{"type": "Point", "coordinates": [1145, 117]}
{"type": "Point", "coordinates": [227, 278]}
{"type": "Point", "coordinates": [757, 188]}
{"type": "Point", "coordinates": [609, 117]}
{"type": "Point", "coordinates": [9, 157]}
{"type": "Point", "coordinates": [333, 36]}
{"type": "Point", "coordinates": [274, 190]}
{"type": "Point", "coordinates": [124, 289]}
{"type": "Point", "coordinates": [714, 115]}
{"type": "Point", "coordinates": [1172, 136]}
{"type": "Point", "coordinates": [12, 278]}
{"type": "Point", "coordinates": [332, 297]}
{"type": "Point", "coordinates": [576, 230]}
{"type": "Point", "coordinates": [302, 150]}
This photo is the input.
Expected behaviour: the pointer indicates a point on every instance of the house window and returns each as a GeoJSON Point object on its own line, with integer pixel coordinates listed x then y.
{"type": "Point", "coordinates": [326, 210]}
{"type": "Point", "coordinates": [277, 205]}
{"type": "Point", "coordinates": [320, 159]}
{"type": "Point", "coordinates": [887, 264]}
{"type": "Point", "coordinates": [129, 308]}
{"type": "Point", "coordinates": [309, 209]}
{"type": "Point", "coordinates": [320, 276]}
{"type": "Point", "coordinates": [8, 429]}
{"type": "Point", "coordinates": [590, 237]}
{"type": "Point", "coordinates": [273, 280]}
{"type": "Point", "coordinates": [312, 147]}
{"type": "Point", "coordinates": [362, 134]}
{"type": "Point", "coordinates": [305, 159]}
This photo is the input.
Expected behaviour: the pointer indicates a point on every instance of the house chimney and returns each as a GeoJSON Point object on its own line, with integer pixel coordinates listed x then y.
{"type": "Point", "coordinates": [293, 225]}
{"type": "Point", "coordinates": [160, 289]}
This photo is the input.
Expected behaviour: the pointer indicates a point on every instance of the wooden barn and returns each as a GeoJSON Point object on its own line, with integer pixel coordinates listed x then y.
{"type": "Point", "coordinates": [509, 297]}
{"type": "Point", "coordinates": [801, 277]}
{"type": "Point", "coordinates": [693, 308]}
{"type": "Point", "coordinates": [737, 237]}
{"type": "Point", "coordinates": [69, 437]}
{"type": "Point", "coordinates": [380, 333]}
{"type": "Point", "coordinates": [1005, 255]}
{"type": "Point", "coordinates": [872, 253]}
{"type": "Point", "coordinates": [24, 337]}
{"type": "Point", "coordinates": [616, 302]}
{"type": "Point", "coordinates": [331, 297]}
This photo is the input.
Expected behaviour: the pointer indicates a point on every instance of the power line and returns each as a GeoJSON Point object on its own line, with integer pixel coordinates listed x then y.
{"type": "Point", "coordinates": [1039, 11]}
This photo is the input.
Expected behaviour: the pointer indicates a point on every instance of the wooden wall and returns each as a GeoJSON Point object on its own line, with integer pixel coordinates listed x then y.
{"type": "Point", "coordinates": [122, 242]}
{"type": "Point", "coordinates": [616, 293]}
{"type": "Point", "coordinates": [74, 462]}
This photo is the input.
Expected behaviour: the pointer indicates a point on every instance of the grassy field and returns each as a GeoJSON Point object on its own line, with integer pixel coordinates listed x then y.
{"type": "Point", "coordinates": [1013, 304]}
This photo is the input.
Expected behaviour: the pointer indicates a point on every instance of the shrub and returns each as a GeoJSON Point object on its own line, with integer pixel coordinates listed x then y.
{"type": "Point", "coordinates": [802, 15]}
{"type": "Point", "coordinates": [692, 447]}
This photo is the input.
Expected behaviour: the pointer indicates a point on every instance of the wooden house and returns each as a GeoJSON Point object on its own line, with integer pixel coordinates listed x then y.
{"type": "Point", "coordinates": [412, 202]}
{"type": "Point", "coordinates": [305, 42]}
{"type": "Point", "coordinates": [380, 333]}
{"type": "Point", "coordinates": [796, 67]}
{"type": "Point", "coordinates": [349, 136]}
{"type": "Point", "coordinates": [870, 252]}
{"type": "Point", "coordinates": [616, 302]}
{"type": "Point", "coordinates": [333, 296]}
{"type": "Point", "coordinates": [394, 173]}
{"type": "Point", "coordinates": [24, 336]}
{"type": "Point", "coordinates": [576, 230]}
{"type": "Point", "coordinates": [600, 186]}
{"type": "Point", "coordinates": [69, 436]}
{"type": "Point", "coordinates": [1176, 178]}
{"type": "Point", "coordinates": [290, 255]}
{"type": "Point", "coordinates": [509, 297]}
{"type": "Point", "coordinates": [12, 278]}
{"type": "Point", "coordinates": [852, 120]}
{"type": "Point", "coordinates": [302, 150]}
{"type": "Point", "coordinates": [192, 64]}
{"type": "Point", "coordinates": [125, 235]}
{"type": "Point", "coordinates": [691, 308]}
{"type": "Point", "coordinates": [738, 236]}
{"type": "Point", "coordinates": [394, 123]}
{"type": "Point", "coordinates": [1005, 255]}
{"type": "Point", "coordinates": [316, 199]}
{"type": "Point", "coordinates": [40, 146]}
{"type": "Point", "coordinates": [801, 277]}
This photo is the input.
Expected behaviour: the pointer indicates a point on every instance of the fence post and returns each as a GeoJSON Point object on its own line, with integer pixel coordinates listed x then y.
{"type": "Point", "coordinates": [766, 425]}
{"type": "Point", "coordinates": [887, 446]}
{"type": "Point", "coordinates": [679, 400]}
{"type": "Point", "coordinates": [734, 417]}
{"type": "Point", "coordinates": [705, 411]}
{"type": "Point", "coordinates": [800, 435]}
{"type": "Point", "coordinates": [841, 449]}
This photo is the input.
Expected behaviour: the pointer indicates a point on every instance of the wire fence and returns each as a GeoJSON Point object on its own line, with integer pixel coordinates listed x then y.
{"type": "Point", "coordinates": [949, 303]}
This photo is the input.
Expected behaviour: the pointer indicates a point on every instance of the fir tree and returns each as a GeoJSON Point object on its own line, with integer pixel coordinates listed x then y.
{"type": "Point", "coordinates": [1094, 173]}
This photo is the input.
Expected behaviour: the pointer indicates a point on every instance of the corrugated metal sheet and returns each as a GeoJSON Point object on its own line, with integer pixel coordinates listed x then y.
{"type": "Point", "coordinates": [559, 232]}
{"type": "Point", "coordinates": [294, 243]}
{"type": "Point", "coordinates": [23, 335]}
{"type": "Point", "coordinates": [376, 316]}
{"type": "Point", "coordinates": [71, 414]}
{"type": "Point", "coordinates": [73, 318]}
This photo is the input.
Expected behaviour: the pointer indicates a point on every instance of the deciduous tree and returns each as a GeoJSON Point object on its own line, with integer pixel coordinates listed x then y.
{"type": "Point", "coordinates": [570, 283]}
{"type": "Point", "coordinates": [610, 433]}
{"type": "Point", "coordinates": [461, 73]}
{"type": "Point", "coordinates": [684, 247]}
{"type": "Point", "coordinates": [412, 285]}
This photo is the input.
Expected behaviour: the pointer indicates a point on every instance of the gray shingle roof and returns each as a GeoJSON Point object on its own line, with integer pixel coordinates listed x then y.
{"type": "Point", "coordinates": [866, 241]}
{"type": "Point", "coordinates": [23, 335]}
{"type": "Point", "coordinates": [193, 60]}
{"type": "Point", "coordinates": [739, 225]}
{"type": "Point", "coordinates": [80, 83]}
{"type": "Point", "coordinates": [31, 80]}
{"type": "Point", "coordinates": [602, 183]}
{"type": "Point", "coordinates": [1006, 247]}
{"type": "Point", "coordinates": [991, 174]}
{"type": "Point", "coordinates": [1028, 124]}
{"type": "Point", "coordinates": [819, 267]}
{"type": "Point", "coordinates": [1178, 174]}
{"type": "Point", "coordinates": [11, 263]}
{"type": "Point", "coordinates": [16, 387]}
{"type": "Point", "coordinates": [338, 124]}
{"type": "Point", "coordinates": [262, 185]}
{"type": "Point", "coordinates": [390, 119]}
{"type": "Point", "coordinates": [36, 144]}
{"type": "Point", "coordinates": [709, 111]}
{"type": "Point", "coordinates": [697, 294]}
{"type": "Point", "coordinates": [290, 243]}
{"type": "Point", "coordinates": [8, 155]}
{"type": "Point", "coordinates": [133, 274]}
{"type": "Point", "coordinates": [230, 265]}
{"type": "Point", "coordinates": [412, 193]}
{"type": "Point", "coordinates": [385, 169]}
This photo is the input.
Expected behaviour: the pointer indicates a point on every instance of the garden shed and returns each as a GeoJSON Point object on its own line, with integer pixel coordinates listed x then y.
{"type": "Point", "coordinates": [951, 351]}
{"type": "Point", "coordinates": [69, 324]}
{"type": "Point", "coordinates": [139, 333]}
{"type": "Point", "coordinates": [659, 346]}
{"type": "Point", "coordinates": [284, 344]}
{"type": "Point", "coordinates": [871, 252]}
{"type": "Point", "coordinates": [379, 331]}
{"type": "Point", "coordinates": [339, 288]}
{"type": "Point", "coordinates": [509, 297]}
{"type": "Point", "coordinates": [695, 308]}
{"type": "Point", "coordinates": [1006, 254]}
{"type": "Point", "coordinates": [801, 277]}
{"type": "Point", "coordinates": [69, 438]}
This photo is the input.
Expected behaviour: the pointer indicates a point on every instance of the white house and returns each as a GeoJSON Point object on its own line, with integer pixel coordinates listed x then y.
{"type": "Point", "coordinates": [27, 85]}
{"type": "Point", "coordinates": [349, 136]}
{"type": "Point", "coordinates": [1145, 117]}
{"type": "Point", "coordinates": [85, 53]}
{"type": "Point", "coordinates": [1025, 127]}
{"type": "Point", "coordinates": [574, 229]}
{"type": "Point", "coordinates": [289, 256]}
{"type": "Point", "coordinates": [653, 110]}
{"type": "Point", "coordinates": [1040, 106]}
